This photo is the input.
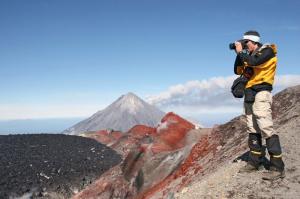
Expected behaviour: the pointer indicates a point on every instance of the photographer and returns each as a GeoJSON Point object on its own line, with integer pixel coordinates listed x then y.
{"type": "Point", "coordinates": [257, 64]}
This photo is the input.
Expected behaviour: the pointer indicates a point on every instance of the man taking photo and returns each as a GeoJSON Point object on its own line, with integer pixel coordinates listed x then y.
{"type": "Point", "coordinates": [257, 62]}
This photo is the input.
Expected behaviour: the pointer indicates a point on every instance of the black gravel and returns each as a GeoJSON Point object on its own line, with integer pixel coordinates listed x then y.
{"type": "Point", "coordinates": [39, 165]}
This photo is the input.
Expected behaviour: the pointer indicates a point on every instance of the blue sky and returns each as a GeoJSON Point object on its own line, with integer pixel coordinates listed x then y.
{"type": "Point", "coordinates": [70, 58]}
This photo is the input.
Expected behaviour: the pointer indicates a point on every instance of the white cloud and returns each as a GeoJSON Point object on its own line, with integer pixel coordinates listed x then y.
{"type": "Point", "coordinates": [198, 94]}
{"type": "Point", "coordinates": [284, 81]}
{"type": "Point", "coordinates": [211, 96]}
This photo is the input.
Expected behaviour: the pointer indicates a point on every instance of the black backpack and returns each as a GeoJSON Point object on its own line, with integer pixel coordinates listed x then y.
{"type": "Point", "coordinates": [238, 87]}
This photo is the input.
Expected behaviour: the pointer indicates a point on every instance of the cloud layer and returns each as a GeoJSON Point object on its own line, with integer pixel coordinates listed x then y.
{"type": "Point", "coordinates": [209, 96]}
{"type": "Point", "coordinates": [205, 100]}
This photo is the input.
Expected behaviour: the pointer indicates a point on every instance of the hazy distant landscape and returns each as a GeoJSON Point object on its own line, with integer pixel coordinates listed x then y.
{"type": "Point", "coordinates": [56, 125]}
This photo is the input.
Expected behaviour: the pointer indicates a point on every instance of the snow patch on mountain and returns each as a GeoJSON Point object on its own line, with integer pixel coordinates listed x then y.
{"type": "Point", "coordinates": [130, 103]}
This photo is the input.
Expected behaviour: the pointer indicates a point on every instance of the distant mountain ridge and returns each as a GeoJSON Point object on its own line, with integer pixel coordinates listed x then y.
{"type": "Point", "coordinates": [126, 112]}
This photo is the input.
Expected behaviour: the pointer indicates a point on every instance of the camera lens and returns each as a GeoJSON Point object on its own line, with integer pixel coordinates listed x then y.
{"type": "Point", "coordinates": [232, 46]}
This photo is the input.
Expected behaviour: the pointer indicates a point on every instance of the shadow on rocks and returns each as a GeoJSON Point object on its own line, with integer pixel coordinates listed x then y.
{"type": "Point", "coordinates": [245, 158]}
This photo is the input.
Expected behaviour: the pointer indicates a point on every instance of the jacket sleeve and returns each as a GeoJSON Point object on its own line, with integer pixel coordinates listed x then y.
{"type": "Point", "coordinates": [259, 58]}
{"type": "Point", "coordinates": [238, 66]}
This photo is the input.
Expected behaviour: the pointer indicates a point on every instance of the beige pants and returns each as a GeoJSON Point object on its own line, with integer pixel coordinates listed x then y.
{"type": "Point", "coordinates": [259, 114]}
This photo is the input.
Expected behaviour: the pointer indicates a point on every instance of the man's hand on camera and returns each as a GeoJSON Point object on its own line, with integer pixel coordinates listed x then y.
{"type": "Point", "coordinates": [238, 47]}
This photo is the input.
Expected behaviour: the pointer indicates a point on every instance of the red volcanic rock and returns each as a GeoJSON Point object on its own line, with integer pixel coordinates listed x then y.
{"type": "Point", "coordinates": [116, 134]}
{"type": "Point", "coordinates": [150, 155]}
{"type": "Point", "coordinates": [133, 139]}
{"type": "Point", "coordinates": [214, 148]}
{"type": "Point", "coordinates": [171, 132]}
{"type": "Point", "coordinates": [176, 118]}
{"type": "Point", "coordinates": [167, 136]}
{"type": "Point", "coordinates": [141, 131]}
{"type": "Point", "coordinates": [207, 145]}
{"type": "Point", "coordinates": [154, 161]}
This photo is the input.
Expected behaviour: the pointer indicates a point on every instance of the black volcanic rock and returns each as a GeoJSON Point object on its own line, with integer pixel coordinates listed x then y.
{"type": "Point", "coordinates": [51, 166]}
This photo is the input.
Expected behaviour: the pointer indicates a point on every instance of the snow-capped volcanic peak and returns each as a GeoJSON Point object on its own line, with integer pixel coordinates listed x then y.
{"type": "Point", "coordinates": [130, 103]}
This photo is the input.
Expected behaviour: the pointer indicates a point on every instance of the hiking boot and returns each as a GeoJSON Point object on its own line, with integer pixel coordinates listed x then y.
{"type": "Point", "coordinates": [249, 168]}
{"type": "Point", "coordinates": [273, 174]}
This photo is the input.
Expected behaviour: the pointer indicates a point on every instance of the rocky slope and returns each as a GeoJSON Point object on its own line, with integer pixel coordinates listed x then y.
{"type": "Point", "coordinates": [167, 162]}
{"type": "Point", "coordinates": [126, 112]}
{"type": "Point", "coordinates": [226, 182]}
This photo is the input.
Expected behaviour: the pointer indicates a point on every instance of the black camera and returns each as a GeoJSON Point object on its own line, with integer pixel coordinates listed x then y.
{"type": "Point", "coordinates": [243, 42]}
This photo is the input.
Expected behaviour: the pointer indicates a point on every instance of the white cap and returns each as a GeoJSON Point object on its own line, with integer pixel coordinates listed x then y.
{"type": "Point", "coordinates": [252, 35]}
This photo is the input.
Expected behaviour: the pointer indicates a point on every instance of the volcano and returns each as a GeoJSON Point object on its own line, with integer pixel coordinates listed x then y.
{"type": "Point", "coordinates": [126, 112]}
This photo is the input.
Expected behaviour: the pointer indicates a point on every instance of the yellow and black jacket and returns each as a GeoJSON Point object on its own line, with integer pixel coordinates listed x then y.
{"type": "Point", "coordinates": [259, 67]}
